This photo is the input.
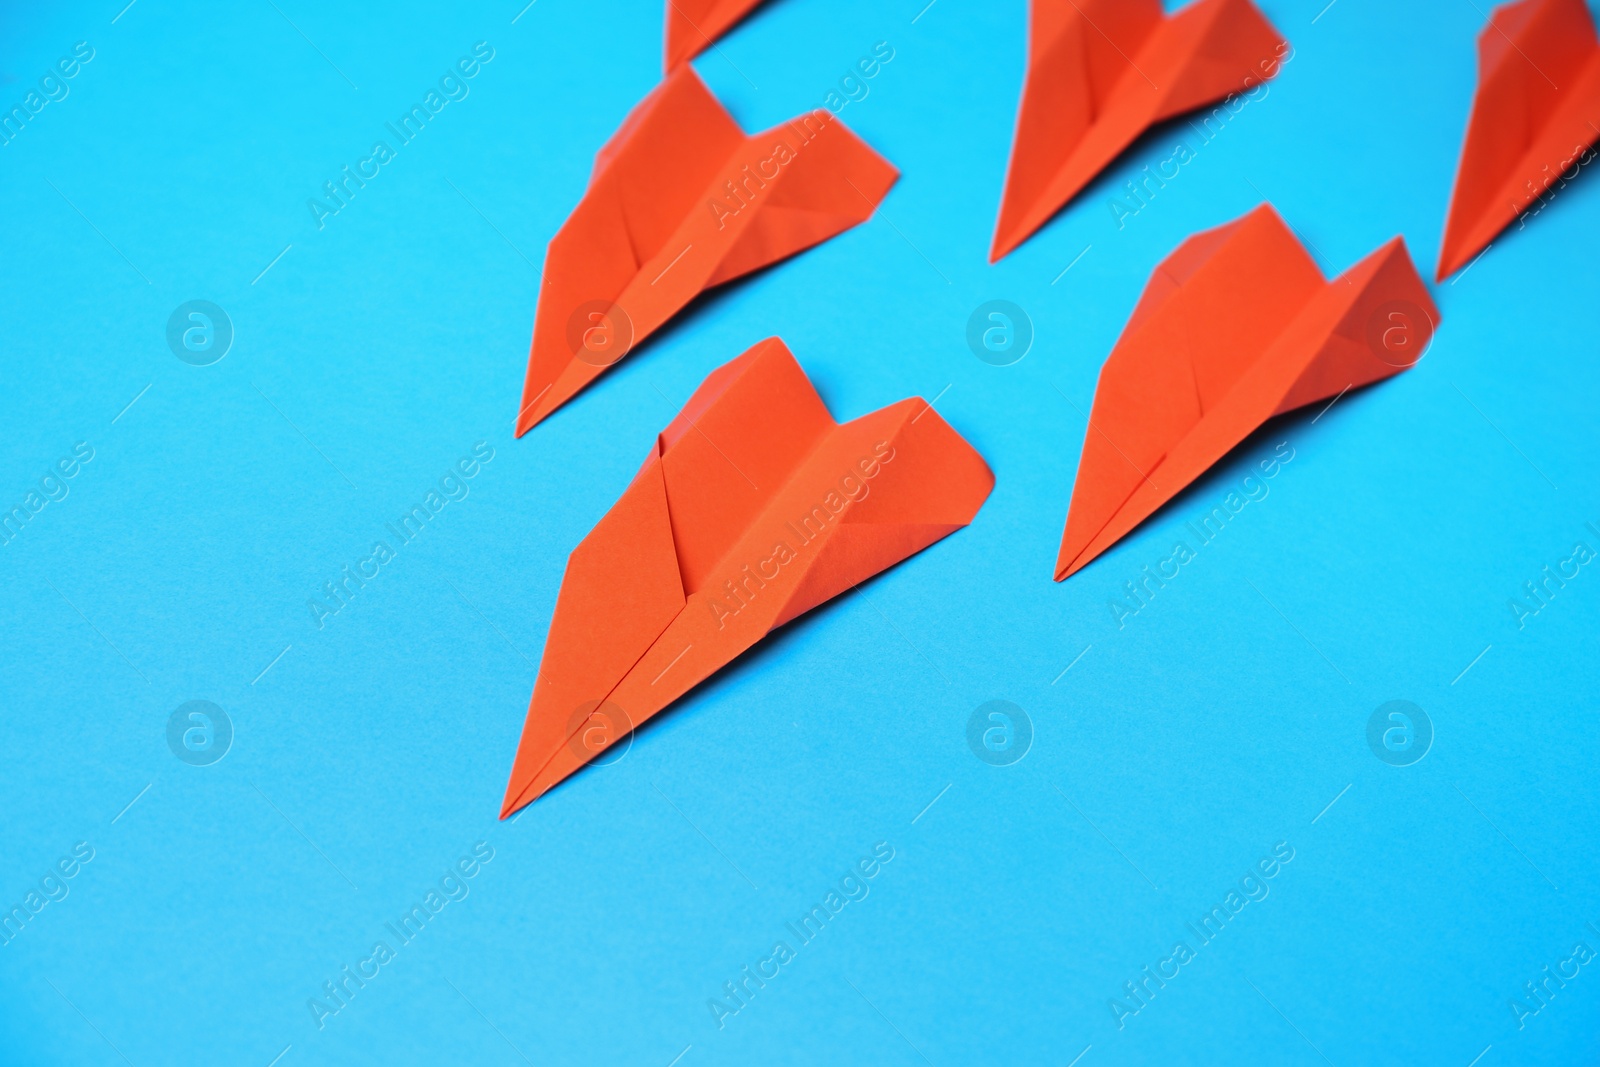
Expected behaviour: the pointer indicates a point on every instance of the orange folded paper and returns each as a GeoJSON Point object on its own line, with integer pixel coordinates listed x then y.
{"type": "Point", "coordinates": [692, 25]}
{"type": "Point", "coordinates": [1235, 327]}
{"type": "Point", "coordinates": [1537, 111]}
{"type": "Point", "coordinates": [1101, 72]}
{"type": "Point", "coordinates": [753, 508]}
{"type": "Point", "coordinates": [681, 200]}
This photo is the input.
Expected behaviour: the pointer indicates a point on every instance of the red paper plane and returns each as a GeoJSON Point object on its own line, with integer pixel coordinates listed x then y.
{"type": "Point", "coordinates": [1236, 326]}
{"type": "Point", "coordinates": [1101, 72]}
{"type": "Point", "coordinates": [1537, 111]}
{"type": "Point", "coordinates": [681, 200]}
{"type": "Point", "coordinates": [692, 25]}
{"type": "Point", "coordinates": [753, 507]}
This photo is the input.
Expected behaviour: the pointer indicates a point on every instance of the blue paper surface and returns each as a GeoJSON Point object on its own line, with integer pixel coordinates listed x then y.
{"type": "Point", "coordinates": [215, 911]}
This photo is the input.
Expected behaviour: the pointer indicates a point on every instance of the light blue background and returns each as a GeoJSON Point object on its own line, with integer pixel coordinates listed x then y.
{"type": "Point", "coordinates": [1175, 753]}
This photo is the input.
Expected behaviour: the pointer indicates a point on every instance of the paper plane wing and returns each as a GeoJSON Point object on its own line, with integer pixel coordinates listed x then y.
{"type": "Point", "coordinates": [1236, 326]}
{"type": "Point", "coordinates": [753, 508]}
{"type": "Point", "coordinates": [1101, 72]}
{"type": "Point", "coordinates": [1536, 112]}
{"type": "Point", "coordinates": [682, 200]}
{"type": "Point", "coordinates": [693, 25]}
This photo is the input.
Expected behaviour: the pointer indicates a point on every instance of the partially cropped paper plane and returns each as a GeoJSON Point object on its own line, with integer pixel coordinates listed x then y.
{"type": "Point", "coordinates": [1101, 72]}
{"type": "Point", "coordinates": [753, 507]}
{"type": "Point", "coordinates": [1536, 113]}
{"type": "Point", "coordinates": [694, 25]}
{"type": "Point", "coordinates": [1236, 326]}
{"type": "Point", "coordinates": [682, 200]}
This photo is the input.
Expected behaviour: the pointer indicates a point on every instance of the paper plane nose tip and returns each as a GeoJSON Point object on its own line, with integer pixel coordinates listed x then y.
{"type": "Point", "coordinates": [517, 798]}
{"type": "Point", "coordinates": [1003, 245]}
{"type": "Point", "coordinates": [1069, 564]}
{"type": "Point", "coordinates": [535, 413]}
{"type": "Point", "coordinates": [1445, 269]}
{"type": "Point", "coordinates": [520, 786]}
